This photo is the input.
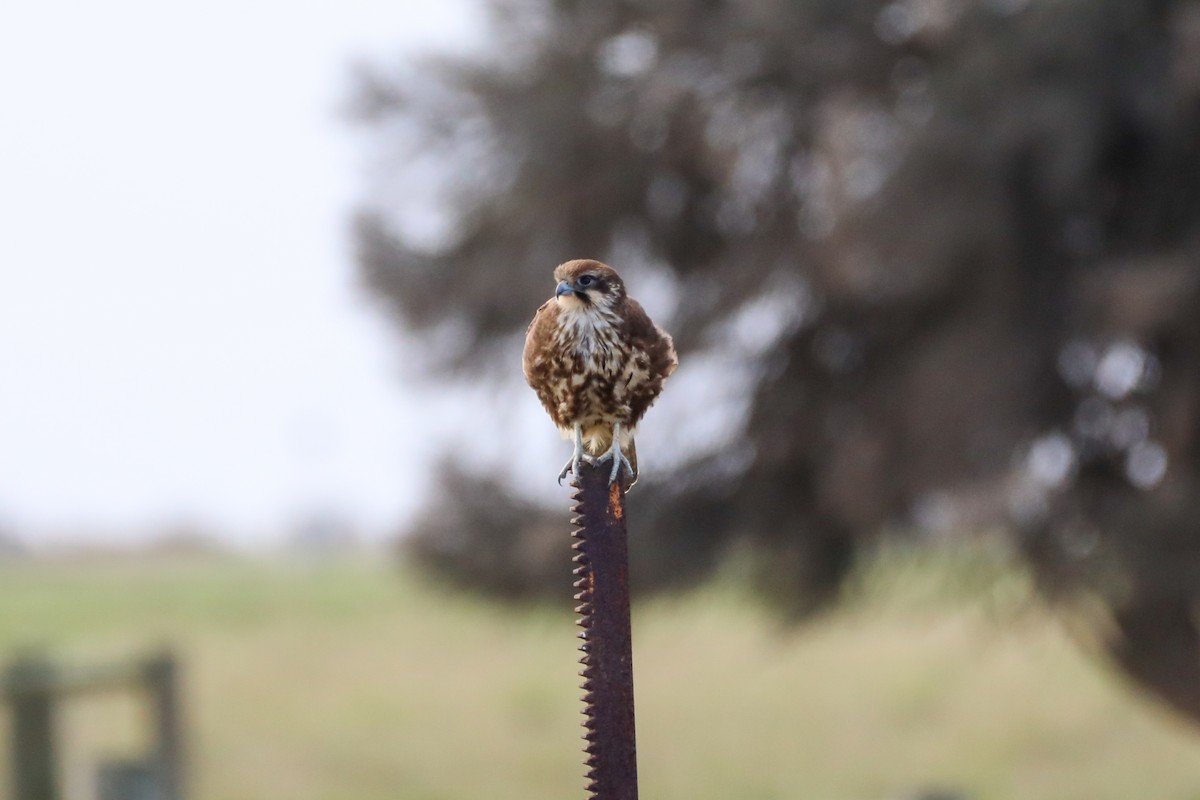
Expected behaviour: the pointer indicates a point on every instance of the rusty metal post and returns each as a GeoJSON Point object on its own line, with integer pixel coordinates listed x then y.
{"type": "Point", "coordinates": [29, 686]}
{"type": "Point", "coordinates": [603, 584]}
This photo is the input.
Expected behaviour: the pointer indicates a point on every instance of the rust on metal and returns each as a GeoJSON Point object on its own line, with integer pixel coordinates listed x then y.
{"type": "Point", "coordinates": [602, 573]}
{"type": "Point", "coordinates": [616, 500]}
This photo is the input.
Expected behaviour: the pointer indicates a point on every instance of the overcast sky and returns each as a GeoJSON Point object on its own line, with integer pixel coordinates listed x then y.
{"type": "Point", "coordinates": [181, 337]}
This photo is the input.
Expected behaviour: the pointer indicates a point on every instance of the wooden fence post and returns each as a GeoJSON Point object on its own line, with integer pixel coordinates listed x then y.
{"type": "Point", "coordinates": [162, 675]}
{"type": "Point", "coordinates": [29, 685]}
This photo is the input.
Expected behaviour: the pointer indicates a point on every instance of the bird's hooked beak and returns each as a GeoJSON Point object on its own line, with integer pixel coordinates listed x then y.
{"type": "Point", "coordinates": [564, 287]}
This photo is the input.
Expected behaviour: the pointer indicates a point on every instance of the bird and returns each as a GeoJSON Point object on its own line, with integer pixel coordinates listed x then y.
{"type": "Point", "coordinates": [597, 362]}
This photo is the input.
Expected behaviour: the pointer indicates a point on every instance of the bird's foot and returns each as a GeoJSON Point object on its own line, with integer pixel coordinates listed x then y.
{"type": "Point", "coordinates": [619, 460]}
{"type": "Point", "coordinates": [572, 466]}
{"type": "Point", "coordinates": [578, 456]}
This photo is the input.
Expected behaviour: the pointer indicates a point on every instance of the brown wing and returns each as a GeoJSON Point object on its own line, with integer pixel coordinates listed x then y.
{"type": "Point", "coordinates": [537, 361]}
{"type": "Point", "coordinates": [649, 342]}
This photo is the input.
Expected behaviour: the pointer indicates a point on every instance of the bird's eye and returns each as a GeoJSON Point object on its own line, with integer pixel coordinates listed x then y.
{"type": "Point", "coordinates": [586, 280]}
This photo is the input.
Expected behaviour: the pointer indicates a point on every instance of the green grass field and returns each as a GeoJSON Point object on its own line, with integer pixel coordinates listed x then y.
{"type": "Point", "coordinates": [358, 682]}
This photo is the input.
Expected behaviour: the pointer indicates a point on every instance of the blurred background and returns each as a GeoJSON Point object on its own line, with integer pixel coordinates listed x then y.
{"type": "Point", "coordinates": [919, 513]}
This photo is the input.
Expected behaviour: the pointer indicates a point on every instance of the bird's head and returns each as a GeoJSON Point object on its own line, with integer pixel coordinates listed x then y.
{"type": "Point", "coordinates": [584, 283]}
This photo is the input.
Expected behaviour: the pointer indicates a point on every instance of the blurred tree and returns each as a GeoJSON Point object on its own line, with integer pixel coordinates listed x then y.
{"type": "Point", "coordinates": [945, 253]}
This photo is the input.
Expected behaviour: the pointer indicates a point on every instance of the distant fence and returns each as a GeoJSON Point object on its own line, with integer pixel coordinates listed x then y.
{"type": "Point", "coordinates": [33, 688]}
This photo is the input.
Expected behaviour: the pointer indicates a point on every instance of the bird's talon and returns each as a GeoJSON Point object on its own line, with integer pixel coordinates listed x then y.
{"type": "Point", "coordinates": [577, 458]}
{"type": "Point", "coordinates": [619, 460]}
{"type": "Point", "coordinates": [616, 470]}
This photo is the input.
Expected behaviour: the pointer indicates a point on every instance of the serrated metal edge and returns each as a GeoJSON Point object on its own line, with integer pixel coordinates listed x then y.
{"type": "Point", "coordinates": [584, 608]}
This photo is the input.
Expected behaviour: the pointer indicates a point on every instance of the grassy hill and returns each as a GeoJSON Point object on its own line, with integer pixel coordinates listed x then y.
{"type": "Point", "coordinates": [358, 681]}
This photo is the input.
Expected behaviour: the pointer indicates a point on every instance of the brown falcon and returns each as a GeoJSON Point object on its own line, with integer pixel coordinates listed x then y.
{"type": "Point", "coordinates": [597, 362]}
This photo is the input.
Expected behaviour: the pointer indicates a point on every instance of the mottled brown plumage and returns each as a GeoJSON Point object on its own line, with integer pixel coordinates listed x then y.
{"type": "Point", "coordinates": [597, 362]}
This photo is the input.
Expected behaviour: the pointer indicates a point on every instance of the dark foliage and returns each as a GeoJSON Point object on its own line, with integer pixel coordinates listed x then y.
{"type": "Point", "coordinates": [967, 234]}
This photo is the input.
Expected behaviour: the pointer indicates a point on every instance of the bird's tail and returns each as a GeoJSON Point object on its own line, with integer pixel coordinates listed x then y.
{"type": "Point", "coordinates": [630, 451]}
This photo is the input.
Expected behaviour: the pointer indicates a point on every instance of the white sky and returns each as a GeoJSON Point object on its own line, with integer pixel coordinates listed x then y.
{"type": "Point", "coordinates": [181, 337]}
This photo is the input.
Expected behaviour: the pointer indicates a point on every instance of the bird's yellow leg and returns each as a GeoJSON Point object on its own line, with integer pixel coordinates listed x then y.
{"type": "Point", "coordinates": [577, 456]}
{"type": "Point", "coordinates": [614, 452]}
